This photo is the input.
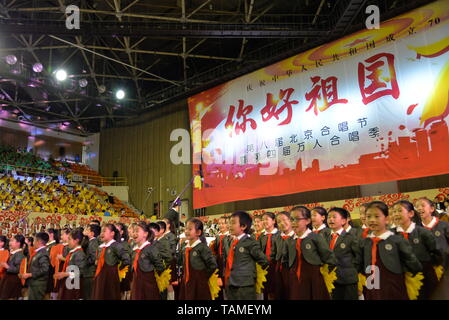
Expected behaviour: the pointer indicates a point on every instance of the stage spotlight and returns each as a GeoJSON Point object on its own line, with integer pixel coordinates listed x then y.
{"type": "Point", "coordinates": [83, 83]}
{"type": "Point", "coordinates": [120, 94]}
{"type": "Point", "coordinates": [11, 59]}
{"type": "Point", "coordinates": [38, 67]}
{"type": "Point", "coordinates": [61, 75]}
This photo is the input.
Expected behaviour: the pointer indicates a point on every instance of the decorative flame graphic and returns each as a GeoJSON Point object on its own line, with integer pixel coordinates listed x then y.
{"type": "Point", "coordinates": [437, 106]}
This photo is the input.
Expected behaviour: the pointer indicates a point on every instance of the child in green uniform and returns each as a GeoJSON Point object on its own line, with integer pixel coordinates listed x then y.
{"type": "Point", "coordinates": [38, 268]}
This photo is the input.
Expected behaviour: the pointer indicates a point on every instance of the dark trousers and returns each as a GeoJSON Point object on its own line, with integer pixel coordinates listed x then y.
{"type": "Point", "coordinates": [441, 292]}
{"type": "Point", "coordinates": [87, 287]}
{"type": "Point", "coordinates": [345, 292]}
{"type": "Point", "coordinates": [241, 293]}
{"type": "Point", "coordinates": [36, 289]}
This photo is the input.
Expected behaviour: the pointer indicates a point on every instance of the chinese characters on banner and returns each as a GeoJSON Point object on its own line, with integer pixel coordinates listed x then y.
{"type": "Point", "coordinates": [375, 114]}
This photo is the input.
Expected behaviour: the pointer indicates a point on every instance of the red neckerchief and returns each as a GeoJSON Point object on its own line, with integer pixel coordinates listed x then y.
{"type": "Point", "coordinates": [136, 258]}
{"type": "Point", "coordinates": [230, 260]}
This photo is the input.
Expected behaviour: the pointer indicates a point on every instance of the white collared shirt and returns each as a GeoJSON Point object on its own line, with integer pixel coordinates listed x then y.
{"type": "Point", "coordinates": [364, 227]}
{"type": "Point", "coordinates": [15, 251]}
{"type": "Point", "coordinates": [105, 245]}
{"type": "Point", "coordinates": [349, 228]}
{"type": "Point", "coordinates": [239, 237]}
{"type": "Point", "coordinates": [291, 234]}
{"type": "Point", "coordinates": [73, 250]}
{"type": "Point", "coordinates": [51, 242]}
{"type": "Point", "coordinates": [383, 236]}
{"type": "Point", "coordinates": [431, 224]}
{"type": "Point", "coordinates": [410, 228]}
{"type": "Point", "coordinates": [305, 234]}
{"type": "Point", "coordinates": [320, 227]}
{"type": "Point", "coordinates": [197, 242]}
{"type": "Point", "coordinates": [37, 250]}
{"type": "Point", "coordinates": [93, 238]}
{"type": "Point", "coordinates": [1, 249]}
{"type": "Point", "coordinates": [142, 246]}
{"type": "Point", "coordinates": [338, 232]}
{"type": "Point", "coordinates": [275, 230]}
{"type": "Point", "coordinates": [224, 234]}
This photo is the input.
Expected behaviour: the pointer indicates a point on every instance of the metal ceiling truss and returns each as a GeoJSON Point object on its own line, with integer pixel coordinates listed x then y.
{"type": "Point", "coordinates": [158, 51]}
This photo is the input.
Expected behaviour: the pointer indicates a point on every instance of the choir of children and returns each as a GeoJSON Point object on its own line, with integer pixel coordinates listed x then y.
{"type": "Point", "coordinates": [397, 253]}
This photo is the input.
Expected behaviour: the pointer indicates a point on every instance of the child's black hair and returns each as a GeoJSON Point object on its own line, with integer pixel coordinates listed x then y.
{"type": "Point", "coordinates": [305, 212]}
{"type": "Point", "coordinates": [272, 216]}
{"type": "Point", "coordinates": [407, 205]}
{"type": "Point", "coordinates": [172, 226]}
{"type": "Point", "coordinates": [55, 234]}
{"type": "Point", "coordinates": [379, 205]}
{"type": "Point", "coordinates": [431, 203]}
{"type": "Point", "coordinates": [123, 232]}
{"type": "Point", "coordinates": [341, 211]}
{"type": "Point", "coordinates": [20, 239]}
{"type": "Point", "coordinates": [285, 213]}
{"type": "Point", "coordinates": [31, 240]}
{"type": "Point", "coordinates": [97, 222]}
{"type": "Point", "coordinates": [4, 239]}
{"type": "Point", "coordinates": [77, 234]}
{"type": "Point", "coordinates": [95, 228]}
{"type": "Point", "coordinates": [322, 212]}
{"type": "Point", "coordinates": [42, 237]}
{"type": "Point", "coordinates": [162, 225]}
{"type": "Point", "coordinates": [145, 227]}
{"type": "Point", "coordinates": [114, 229]}
{"type": "Point", "coordinates": [350, 219]}
{"type": "Point", "coordinates": [244, 219]}
{"type": "Point", "coordinates": [198, 224]}
{"type": "Point", "coordinates": [154, 226]}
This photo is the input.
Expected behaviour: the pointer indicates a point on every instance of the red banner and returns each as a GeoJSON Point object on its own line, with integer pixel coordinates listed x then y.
{"type": "Point", "coordinates": [368, 108]}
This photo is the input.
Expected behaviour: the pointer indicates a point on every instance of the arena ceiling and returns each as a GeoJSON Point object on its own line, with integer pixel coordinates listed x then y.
{"type": "Point", "coordinates": [157, 51]}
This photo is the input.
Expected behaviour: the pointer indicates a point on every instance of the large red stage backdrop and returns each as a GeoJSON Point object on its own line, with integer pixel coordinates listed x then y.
{"type": "Point", "coordinates": [367, 108]}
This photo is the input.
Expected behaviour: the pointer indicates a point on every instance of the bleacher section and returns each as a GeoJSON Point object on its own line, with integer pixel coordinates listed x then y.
{"type": "Point", "coordinates": [29, 183]}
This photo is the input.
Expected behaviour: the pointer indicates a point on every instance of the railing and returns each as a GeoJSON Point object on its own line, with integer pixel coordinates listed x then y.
{"type": "Point", "coordinates": [30, 170]}
{"type": "Point", "coordinates": [98, 180]}
{"type": "Point", "coordinates": [75, 177]}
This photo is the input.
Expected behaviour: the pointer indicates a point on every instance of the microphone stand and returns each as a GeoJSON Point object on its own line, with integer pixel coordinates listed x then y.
{"type": "Point", "coordinates": [177, 233]}
{"type": "Point", "coordinates": [147, 197]}
{"type": "Point", "coordinates": [182, 192]}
